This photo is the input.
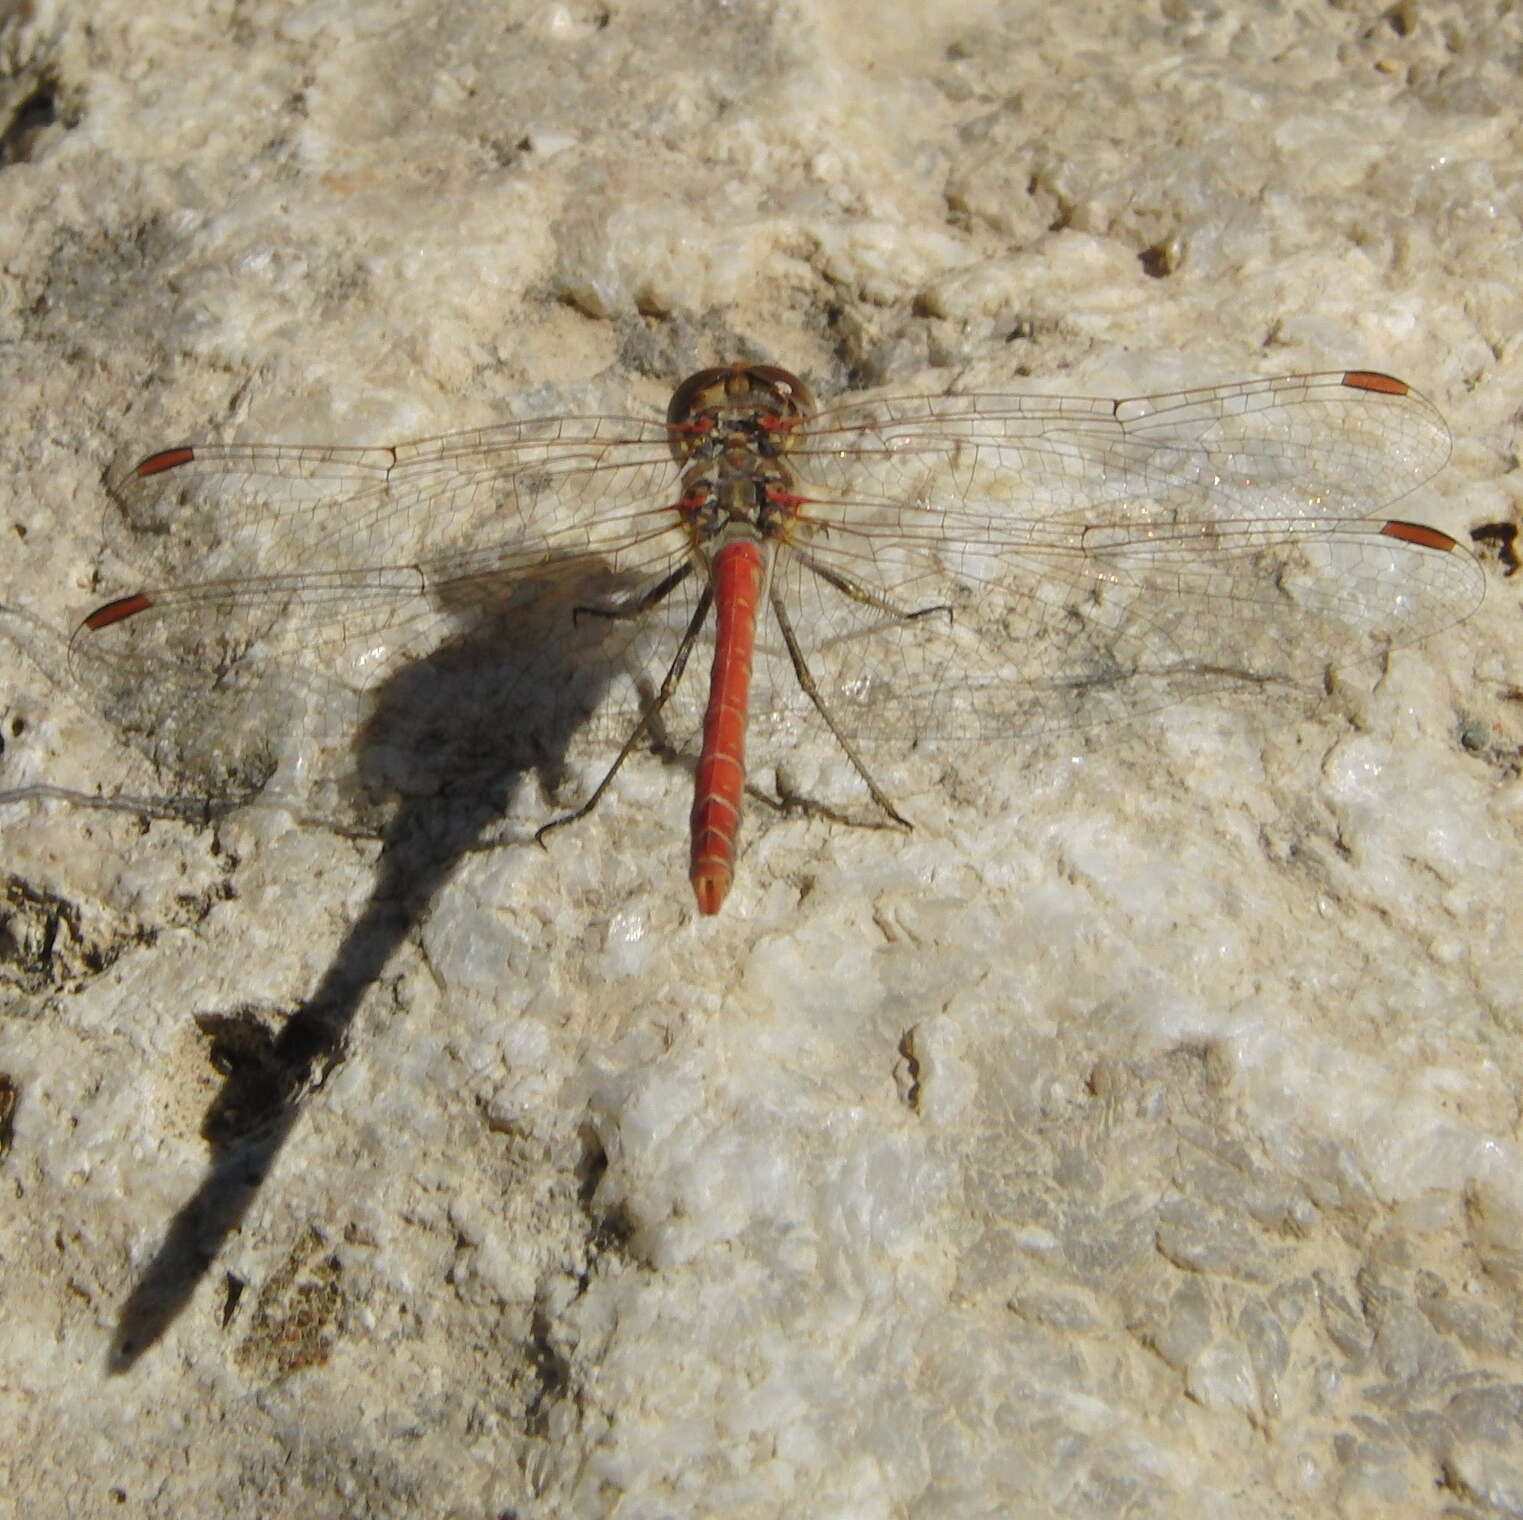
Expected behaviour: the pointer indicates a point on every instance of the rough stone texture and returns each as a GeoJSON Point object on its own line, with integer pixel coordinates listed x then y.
{"type": "Point", "coordinates": [1139, 1136]}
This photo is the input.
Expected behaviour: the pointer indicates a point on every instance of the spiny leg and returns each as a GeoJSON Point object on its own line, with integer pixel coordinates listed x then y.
{"type": "Point", "coordinates": [865, 594]}
{"type": "Point", "coordinates": [806, 680]}
{"type": "Point", "coordinates": [642, 603]}
{"type": "Point", "coordinates": [668, 686]}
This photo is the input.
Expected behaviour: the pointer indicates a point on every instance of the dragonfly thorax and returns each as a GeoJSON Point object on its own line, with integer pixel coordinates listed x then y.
{"type": "Point", "coordinates": [738, 496]}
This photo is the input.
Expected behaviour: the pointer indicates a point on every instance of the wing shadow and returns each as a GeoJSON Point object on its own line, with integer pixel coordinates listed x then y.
{"type": "Point", "coordinates": [450, 738]}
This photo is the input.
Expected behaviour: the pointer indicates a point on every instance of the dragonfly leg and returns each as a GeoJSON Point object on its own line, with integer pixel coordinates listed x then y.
{"type": "Point", "coordinates": [668, 686]}
{"type": "Point", "coordinates": [806, 680]}
{"type": "Point", "coordinates": [865, 594]}
{"type": "Point", "coordinates": [641, 602]}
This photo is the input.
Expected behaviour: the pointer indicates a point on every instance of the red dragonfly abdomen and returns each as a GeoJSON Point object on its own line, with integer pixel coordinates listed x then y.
{"type": "Point", "coordinates": [736, 575]}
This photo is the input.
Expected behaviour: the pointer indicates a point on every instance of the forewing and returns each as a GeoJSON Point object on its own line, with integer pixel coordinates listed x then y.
{"type": "Point", "coordinates": [1341, 444]}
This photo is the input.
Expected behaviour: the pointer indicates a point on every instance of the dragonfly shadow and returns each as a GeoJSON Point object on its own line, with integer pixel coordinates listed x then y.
{"type": "Point", "coordinates": [450, 738]}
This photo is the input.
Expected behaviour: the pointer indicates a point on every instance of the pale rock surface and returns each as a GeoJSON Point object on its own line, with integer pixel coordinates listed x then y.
{"type": "Point", "coordinates": [1139, 1136]}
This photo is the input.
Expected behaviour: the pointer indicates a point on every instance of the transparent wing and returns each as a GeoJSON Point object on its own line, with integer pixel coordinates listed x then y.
{"type": "Point", "coordinates": [1098, 624]}
{"type": "Point", "coordinates": [356, 540]}
{"type": "Point", "coordinates": [1341, 444]}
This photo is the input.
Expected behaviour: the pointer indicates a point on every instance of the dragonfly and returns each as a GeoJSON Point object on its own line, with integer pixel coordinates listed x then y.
{"type": "Point", "coordinates": [911, 572]}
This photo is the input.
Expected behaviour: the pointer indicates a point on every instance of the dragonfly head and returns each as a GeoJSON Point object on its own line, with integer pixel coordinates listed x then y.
{"type": "Point", "coordinates": [765, 405]}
